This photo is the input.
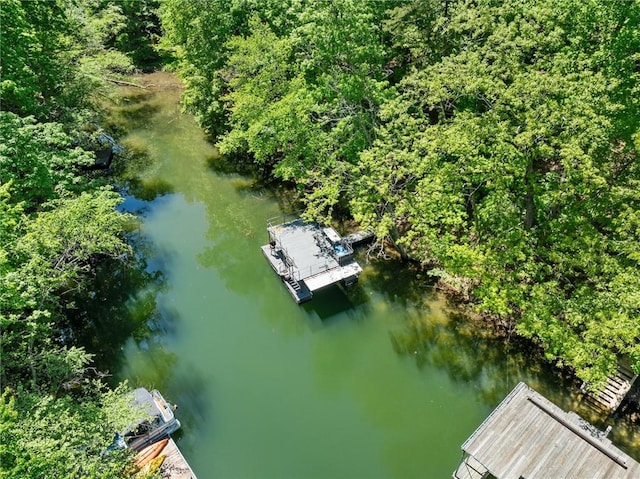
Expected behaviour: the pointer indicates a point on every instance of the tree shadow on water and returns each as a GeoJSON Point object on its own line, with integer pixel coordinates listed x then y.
{"type": "Point", "coordinates": [131, 111]}
{"type": "Point", "coordinates": [492, 366]}
{"type": "Point", "coordinates": [332, 303]}
{"type": "Point", "coordinates": [471, 356]}
{"type": "Point", "coordinates": [222, 165]}
{"type": "Point", "coordinates": [191, 393]}
{"type": "Point", "coordinates": [120, 305]}
{"type": "Point", "coordinates": [397, 282]}
{"type": "Point", "coordinates": [129, 167]}
{"type": "Point", "coordinates": [439, 337]}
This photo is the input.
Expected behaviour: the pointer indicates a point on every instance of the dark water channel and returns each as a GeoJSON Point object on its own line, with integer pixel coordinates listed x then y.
{"type": "Point", "coordinates": [382, 382]}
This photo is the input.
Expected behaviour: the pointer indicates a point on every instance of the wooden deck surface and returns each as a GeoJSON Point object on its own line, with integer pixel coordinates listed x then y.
{"type": "Point", "coordinates": [175, 466]}
{"type": "Point", "coordinates": [608, 399]}
{"type": "Point", "coordinates": [528, 436]}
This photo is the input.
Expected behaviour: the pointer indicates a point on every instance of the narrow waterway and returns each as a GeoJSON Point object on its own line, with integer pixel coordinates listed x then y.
{"type": "Point", "coordinates": [379, 382]}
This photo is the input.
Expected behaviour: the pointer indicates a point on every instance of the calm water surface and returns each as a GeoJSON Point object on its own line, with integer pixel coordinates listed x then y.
{"type": "Point", "coordinates": [381, 382]}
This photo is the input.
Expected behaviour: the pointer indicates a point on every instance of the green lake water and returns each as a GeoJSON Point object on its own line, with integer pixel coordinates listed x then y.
{"type": "Point", "coordinates": [379, 382]}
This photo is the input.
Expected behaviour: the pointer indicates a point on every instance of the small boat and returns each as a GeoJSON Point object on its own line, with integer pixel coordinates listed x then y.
{"type": "Point", "coordinates": [149, 453]}
{"type": "Point", "coordinates": [161, 423]}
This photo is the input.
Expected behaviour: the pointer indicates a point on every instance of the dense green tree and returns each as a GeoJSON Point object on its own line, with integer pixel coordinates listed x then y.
{"type": "Point", "coordinates": [490, 140]}
{"type": "Point", "coordinates": [56, 54]}
{"type": "Point", "coordinates": [40, 158]}
{"type": "Point", "coordinates": [417, 33]}
{"type": "Point", "coordinates": [43, 257]}
{"type": "Point", "coordinates": [303, 105]}
{"type": "Point", "coordinates": [45, 436]}
{"type": "Point", "coordinates": [121, 34]}
{"type": "Point", "coordinates": [199, 32]}
{"type": "Point", "coordinates": [50, 241]}
{"type": "Point", "coordinates": [56, 224]}
{"type": "Point", "coordinates": [37, 75]}
{"type": "Point", "coordinates": [141, 32]}
{"type": "Point", "coordinates": [505, 166]}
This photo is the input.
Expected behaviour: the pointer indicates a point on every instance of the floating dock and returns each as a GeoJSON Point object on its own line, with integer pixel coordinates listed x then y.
{"type": "Point", "coordinates": [308, 256]}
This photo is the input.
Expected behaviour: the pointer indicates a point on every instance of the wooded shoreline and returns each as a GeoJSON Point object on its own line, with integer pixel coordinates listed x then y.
{"type": "Point", "coordinates": [495, 144]}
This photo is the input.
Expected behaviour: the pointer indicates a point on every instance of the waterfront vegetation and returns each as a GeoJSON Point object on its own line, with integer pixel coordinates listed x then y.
{"type": "Point", "coordinates": [494, 143]}
{"type": "Point", "coordinates": [58, 223]}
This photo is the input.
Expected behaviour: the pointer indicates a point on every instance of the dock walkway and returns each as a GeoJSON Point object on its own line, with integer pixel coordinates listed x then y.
{"type": "Point", "coordinates": [527, 436]}
{"type": "Point", "coordinates": [175, 466]}
{"type": "Point", "coordinates": [359, 237]}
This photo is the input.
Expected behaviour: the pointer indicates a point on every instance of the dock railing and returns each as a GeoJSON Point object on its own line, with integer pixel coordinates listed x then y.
{"type": "Point", "coordinates": [292, 270]}
{"type": "Point", "coordinates": [342, 258]}
{"type": "Point", "coordinates": [314, 271]}
{"type": "Point", "coordinates": [283, 219]}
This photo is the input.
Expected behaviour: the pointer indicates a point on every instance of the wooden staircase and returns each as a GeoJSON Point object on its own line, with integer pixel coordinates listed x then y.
{"type": "Point", "coordinates": [298, 289]}
{"type": "Point", "coordinates": [608, 399]}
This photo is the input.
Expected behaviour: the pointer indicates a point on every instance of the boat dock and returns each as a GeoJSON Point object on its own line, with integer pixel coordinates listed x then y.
{"type": "Point", "coordinates": [175, 466]}
{"type": "Point", "coordinates": [359, 237]}
{"type": "Point", "coordinates": [527, 436]}
{"type": "Point", "coordinates": [148, 437]}
{"type": "Point", "coordinates": [308, 256]}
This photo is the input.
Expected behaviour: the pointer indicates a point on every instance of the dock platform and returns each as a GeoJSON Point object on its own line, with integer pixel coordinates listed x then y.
{"type": "Point", "coordinates": [175, 466]}
{"type": "Point", "coordinates": [308, 257]}
{"type": "Point", "coordinates": [359, 237]}
{"type": "Point", "coordinates": [527, 436]}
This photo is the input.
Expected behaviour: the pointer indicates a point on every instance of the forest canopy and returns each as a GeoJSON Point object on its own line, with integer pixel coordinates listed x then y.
{"type": "Point", "coordinates": [58, 222]}
{"type": "Point", "coordinates": [495, 142]}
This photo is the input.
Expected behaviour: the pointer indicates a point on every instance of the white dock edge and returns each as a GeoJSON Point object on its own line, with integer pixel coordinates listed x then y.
{"type": "Point", "coordinates": [332, 276]}
{"type": "Point", "coordinates": [175, 466]}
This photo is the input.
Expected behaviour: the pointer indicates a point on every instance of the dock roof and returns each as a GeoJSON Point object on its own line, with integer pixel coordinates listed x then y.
{"type": "Point", "coordinates": [527, 436]}
{"type": "Point", "coordinates": [305, 246]}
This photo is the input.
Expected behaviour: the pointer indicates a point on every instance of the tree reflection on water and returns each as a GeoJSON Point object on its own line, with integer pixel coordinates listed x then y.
{"type": "Point", "coordinates": [494, 365]}
{"type": "Point", "coordinates": [120, 305]}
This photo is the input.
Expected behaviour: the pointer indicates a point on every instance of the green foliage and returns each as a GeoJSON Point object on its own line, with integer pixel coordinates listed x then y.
{"type": "Point", "coordinates": [40, 158]}
{"type": "Point", "coordinates": [300, 87]}
{"type": "Point", "coordinates": [37, 77]}
{"type": "Point", "coordinates": [48, 254]}
{"type": "Point", "coordinates": [56, 224]}
{"type": "Point", "coordinates": [45, 436]}
{"type": "Point", "coordinates": [506, 163]}
{"type": "Point", "coordinates": [42, 256]}
{"type": "Point", "coordinates": [268, 105]}
{"type": "Point", "coordinates": [198, 31]}
{"type": "Point", "coordinates": [490, 140]}
{"type": "Point", "coordinates": [121, 29]}
{"type": "Point", "coordinates": [56, 55]}
{"type": "Point", "coordinates": [49, 241]}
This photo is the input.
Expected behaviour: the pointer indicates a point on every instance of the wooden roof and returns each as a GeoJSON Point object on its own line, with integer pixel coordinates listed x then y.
{"type": "Point", "coordinates": [527, 436]}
